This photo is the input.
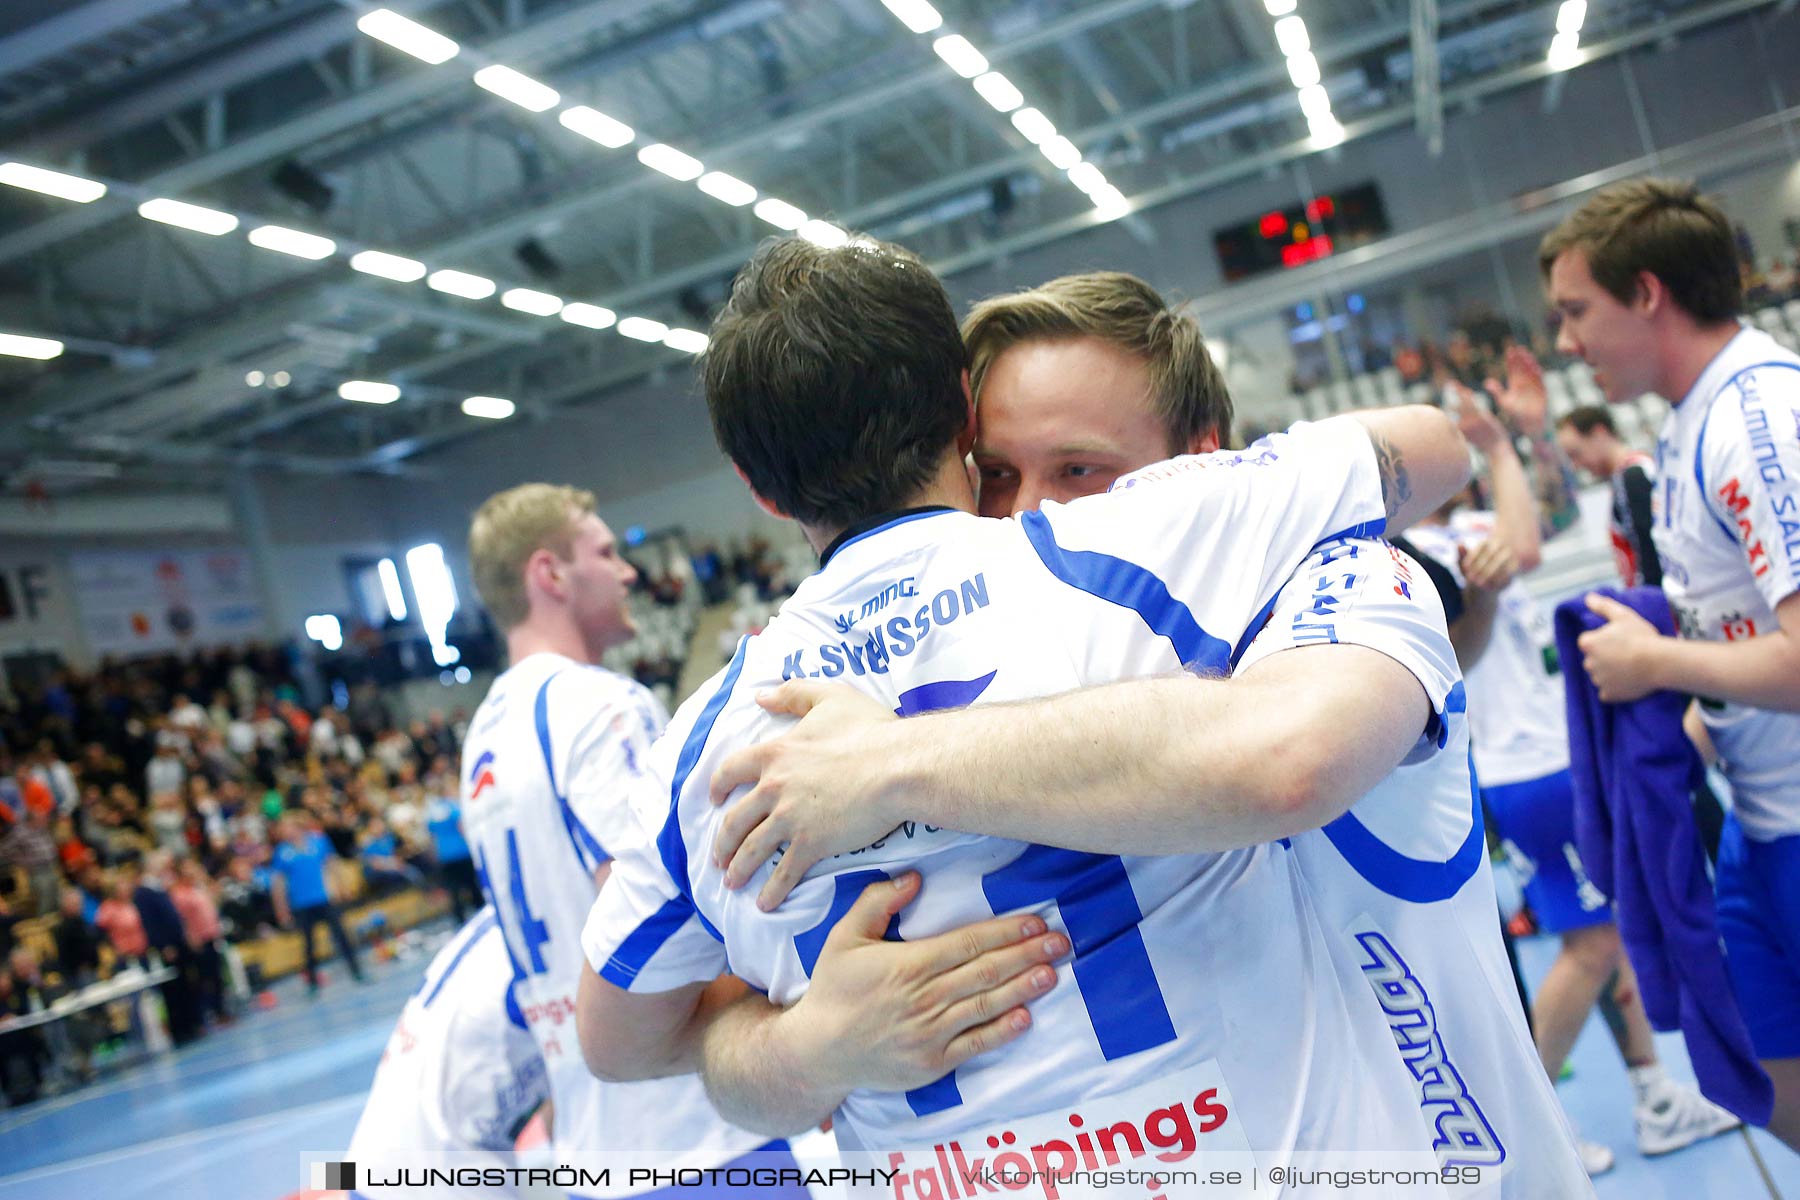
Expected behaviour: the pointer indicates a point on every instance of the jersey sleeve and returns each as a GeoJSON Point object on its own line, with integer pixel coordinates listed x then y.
{"type": "Point", "coordinates": [1261, 509]}
{"type": "Point", "coordinates": [644, 933]}
{"type": "Point", "coordinates": [606, 780]}
{"type": "Point", "coordinates": [1750, 470]}
{"type": "Point", "coordinates": [1363, 592]}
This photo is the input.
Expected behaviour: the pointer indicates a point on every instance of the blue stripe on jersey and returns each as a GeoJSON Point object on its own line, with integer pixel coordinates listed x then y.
{"type": "Point", "coordinates": [1411, 879]}
{"type": "Point", "coordinates": [894, 524]}
{"type": "Point", "coordinates": [669, 842]}
{"type": "Point", "coordinates": [587, 848]}
{"type": "Point", "coordinates": [849, 886]}
{"type": "Point", "coordinates": [1255, 627]}
{"type": "Point", "coordinates": [1367, 529]}
{"type": "Point", "coordinates": [945, 693]}
{"type": "Point", "coordinates": [1129, 586]}
{"type": "Point", "coordinates": [1700, 476]}
{"type": "Point", "coordinates": [635, 952]}
{"type": "Point", "coordinates": [474, 930]}
{"type": "Point", "coordinates": [1438, 728]}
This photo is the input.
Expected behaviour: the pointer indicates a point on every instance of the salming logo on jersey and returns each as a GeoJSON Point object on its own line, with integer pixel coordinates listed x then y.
{"type": "Point", "coordinates": [481, 776]}
{"type": "Point", "coordinates": [899, 637]}
{"type": "Point", "coordinates": [904, 589]}
{"type": "Point", "coordinates": [1463, 1135]}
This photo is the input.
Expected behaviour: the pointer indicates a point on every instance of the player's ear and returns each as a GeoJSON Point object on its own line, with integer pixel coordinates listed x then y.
{"type": "Point", "coordinates": [767, 506]}
{"type": "Point", "coordinates": [965, 441]}
{"type": "Point", "coordinates": [543, 572]}
{"type": "Point", "coordinates": [1203, 443]}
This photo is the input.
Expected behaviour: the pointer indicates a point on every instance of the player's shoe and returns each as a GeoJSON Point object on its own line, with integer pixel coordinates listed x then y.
{"type": "Point", "coordinates": [1675, 1116]}
{"type": "Point", "coordinates": [1596, 1159]}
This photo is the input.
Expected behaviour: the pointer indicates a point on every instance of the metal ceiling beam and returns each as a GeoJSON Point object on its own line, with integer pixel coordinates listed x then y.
{"type": "Point", "coordinates": [1428, 96]}
{"type": "Point", "coordinates": [1244, 302]}
{"type": "Point", "coordinates": [1228, 302]}
{"type": "Point", "coordinates": [76, 28]}
{"type": "Point", "coordinates": [210, 70]}
{"type": "Point", "coordinates": [865, 216]}
{"type": "Point", "coordinates": [409, 87]}
{"type": "Point", "coordinates": [220, 342]}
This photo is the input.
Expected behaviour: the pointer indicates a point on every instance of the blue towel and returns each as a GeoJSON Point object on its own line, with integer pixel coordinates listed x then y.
{"type": "Point", "coordinates": [1633, 770]}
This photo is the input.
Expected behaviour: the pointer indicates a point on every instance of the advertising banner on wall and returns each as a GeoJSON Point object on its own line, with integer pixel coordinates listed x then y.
{"type": "Point", "coordinates": [144, 602]}
{"type": "Point", "coordinates": [37, 609]}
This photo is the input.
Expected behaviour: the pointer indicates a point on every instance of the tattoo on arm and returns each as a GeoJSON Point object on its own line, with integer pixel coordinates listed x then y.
{"type": "Point", "coordinates": [1396, 486]}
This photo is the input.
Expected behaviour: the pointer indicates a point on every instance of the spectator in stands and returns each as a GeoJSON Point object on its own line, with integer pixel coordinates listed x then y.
{"type": "Point", "coordinates": [71, 852]}
{"type": "Point", "coordinates": [303, 896]}
{"type": "Point", "coordinates": [23, 1055]}
{"type": "Point", "coordinates": [49, 767]}
{"type": "Point", "coordinates": [383, 868]}
{"type": "Point", "coordinates": [166, 772]}
{"type": "Point", "coordinates": [246, 908]}
{"type": "Point", "coordinates": [31, 846]}
{"type": "Point", "coordinates": [77, 942]}
{"type": "Point", "coordinates": [185, 715]}
{"type": "Point", "coordinates": [119, 918]}
{"type": "Point", "coordinates": [168, 822]}
{"type": "Point", "coordinates": [8, 920]}
{"type": "Point", "coordinates": [450, 849]}
{"type": "Point", "coordinates": [166, 935]}
{"type": "Point", "coordinates": [192, 895]}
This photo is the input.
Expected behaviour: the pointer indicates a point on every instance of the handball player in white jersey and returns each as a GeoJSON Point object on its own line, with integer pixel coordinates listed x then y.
{"type": "Point", "coordinates": [550, 762]}
{"type": "Point", "coordinates": [1644, 277]}
{"type": "Point", "coordinates": [1520, 729]}
{"type": "Point", "coordinates": [1090, 376]}
{"type": "Point", "coordinates": [460, 1073]}
{"type": "Point", "coordinates": [835, 380]}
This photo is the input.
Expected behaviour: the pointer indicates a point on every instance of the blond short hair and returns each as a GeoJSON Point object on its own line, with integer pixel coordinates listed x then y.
{"type": "Point", "coordinates": [1665, 227]}
{"type": "Point", "coordinates": [1187, 389]}
{"type": "Point", "coordinates": [508, 529]}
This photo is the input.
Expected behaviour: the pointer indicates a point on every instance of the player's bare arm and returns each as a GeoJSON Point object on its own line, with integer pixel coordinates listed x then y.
{"type": "Point", "coordinates": [1293, 742]}
{"type": "Point", "coordinates": [1421, 455]}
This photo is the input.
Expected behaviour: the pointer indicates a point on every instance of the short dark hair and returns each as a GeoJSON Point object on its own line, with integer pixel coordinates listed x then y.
{"type": "Point", "coordinates": [834, 377]}
{"type": "Point", "coordinates": [1587, 418]}
{"type": "Point", "coordinates": [1665, 227]}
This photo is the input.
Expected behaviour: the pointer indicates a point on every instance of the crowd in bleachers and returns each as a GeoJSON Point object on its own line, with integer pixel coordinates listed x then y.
{"type": "Point", "coordinates": [143, 810]}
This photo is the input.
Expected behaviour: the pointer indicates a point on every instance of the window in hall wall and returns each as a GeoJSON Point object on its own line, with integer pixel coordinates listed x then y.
{"type": "Point", "coordinates": [435, 592]}
{"type": "Point", "coordinates": [375, 585]}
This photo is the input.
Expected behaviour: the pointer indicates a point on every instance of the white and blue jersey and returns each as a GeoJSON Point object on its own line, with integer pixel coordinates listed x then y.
{"type": "Point", "coordinates": [1207, 1006]}
{"type": "Point", "coordinates": [460, 1072]}
{"type": "Point", "coordinates": [1404, 878]}
{"type": "Point", "coordinates": [1727, 530]}
{"type": "Point", "coordinates": [551, 760]}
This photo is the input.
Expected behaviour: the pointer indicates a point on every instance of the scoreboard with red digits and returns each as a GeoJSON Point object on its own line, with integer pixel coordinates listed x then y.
{"type": "Point", "coordinates": [1291, 237]}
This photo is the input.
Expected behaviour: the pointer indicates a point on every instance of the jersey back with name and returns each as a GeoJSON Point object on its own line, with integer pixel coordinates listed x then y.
{"type": "Point", "coordinates": [1728, 532]}
{"type": "Point", "coordinates": [1206, 1006]}
{"type": "Point", "coordinates": [551, 758]}
{"type": "Point", "coordinates": [459, 1073]}
{"type": "Point", "coordinates": [1403, 878]}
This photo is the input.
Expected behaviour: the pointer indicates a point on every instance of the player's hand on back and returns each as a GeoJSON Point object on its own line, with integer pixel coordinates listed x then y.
{"type": "Point", "coordinates": [820, 789]}
{"type": "Point", "coordinates": [892, 1016]}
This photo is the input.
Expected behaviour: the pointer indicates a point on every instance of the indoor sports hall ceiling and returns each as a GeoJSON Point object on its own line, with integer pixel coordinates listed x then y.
{"type": "Point", "coordinates": [576, 181]}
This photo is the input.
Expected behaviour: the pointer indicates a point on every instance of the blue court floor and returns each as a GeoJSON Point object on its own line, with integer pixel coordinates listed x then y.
{"type": "Point", "coordinates": [228, 1118]}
